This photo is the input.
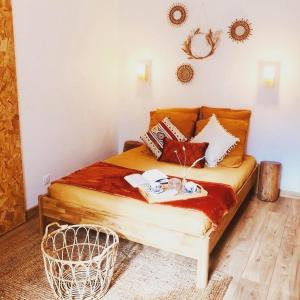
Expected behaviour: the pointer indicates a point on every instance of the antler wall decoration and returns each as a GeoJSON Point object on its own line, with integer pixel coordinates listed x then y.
{"type": "Point", "coordinates": [211, 37]}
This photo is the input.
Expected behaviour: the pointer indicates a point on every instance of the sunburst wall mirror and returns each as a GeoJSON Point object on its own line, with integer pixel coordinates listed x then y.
{"type": "Point", "coordinates": [177, 14]}
{"type": "Point", "coordinates": [240, 30]}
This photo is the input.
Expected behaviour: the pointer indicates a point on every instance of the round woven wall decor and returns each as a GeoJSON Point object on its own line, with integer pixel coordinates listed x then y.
{"type": "Point", "coordinates": [185, 73]}
{"type": "Point", "coordinates": [177, 14]}
{"type": "Point", "coordinates": [240, 30]}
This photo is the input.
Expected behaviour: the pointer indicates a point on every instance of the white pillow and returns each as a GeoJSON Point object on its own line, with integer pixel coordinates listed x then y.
{"type": "Point", "coordinates": [221, 142]}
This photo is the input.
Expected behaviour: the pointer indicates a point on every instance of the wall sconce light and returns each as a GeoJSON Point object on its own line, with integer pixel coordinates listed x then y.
{"type": "Point", "coordinates": [143, 71]}
{"type": "Point", "coordinates": [268, 83]}
{"type": "Point", "coordinates": [270, 74]}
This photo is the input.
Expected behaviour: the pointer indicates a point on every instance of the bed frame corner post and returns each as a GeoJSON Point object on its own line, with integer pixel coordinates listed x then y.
{"type": "Point", "coordinates": [41, 216]}
{"type": "Point", "coordinates": [203, 263]}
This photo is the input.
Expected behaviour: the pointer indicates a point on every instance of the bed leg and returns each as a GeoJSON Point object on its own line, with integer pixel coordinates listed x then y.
{"type": "Point", "coordinates": [203, 264]}
{"type": "Point", "coordinates": [42, 219]}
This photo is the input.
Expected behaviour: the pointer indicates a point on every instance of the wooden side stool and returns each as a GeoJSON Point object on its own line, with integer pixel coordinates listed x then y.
{"type": "Point", "coordinates": [128, 145]}
{"type": "Point", "coordinates": [269, 181]}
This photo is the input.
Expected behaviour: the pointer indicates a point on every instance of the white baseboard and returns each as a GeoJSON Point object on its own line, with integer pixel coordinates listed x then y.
{"type": "Point", "coordinates": [290, 194]}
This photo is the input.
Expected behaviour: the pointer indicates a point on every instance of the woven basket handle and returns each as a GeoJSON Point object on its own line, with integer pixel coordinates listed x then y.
{"type": "Point", "coordinates": [54, 224]}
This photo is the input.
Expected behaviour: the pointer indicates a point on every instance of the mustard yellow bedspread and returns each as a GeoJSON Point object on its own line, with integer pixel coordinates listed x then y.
{"type": "Point", "coordinates": [178, 219]}
{"type": "Point", "coordinates": [141, 159]}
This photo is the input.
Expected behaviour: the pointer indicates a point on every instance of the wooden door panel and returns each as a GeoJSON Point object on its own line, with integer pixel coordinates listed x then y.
{"type": "Point", "coordinates": [12, 209]}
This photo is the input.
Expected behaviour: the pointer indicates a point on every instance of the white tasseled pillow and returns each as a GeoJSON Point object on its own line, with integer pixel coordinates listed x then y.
{"type": "Point", "coordinates": [221, 142]}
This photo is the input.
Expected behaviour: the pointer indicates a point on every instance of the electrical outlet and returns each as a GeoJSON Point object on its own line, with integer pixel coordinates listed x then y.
{"type": "Point", "coordinates": [46, 179]}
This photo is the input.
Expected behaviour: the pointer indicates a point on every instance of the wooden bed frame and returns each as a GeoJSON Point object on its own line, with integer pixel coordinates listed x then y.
{"type": "Point", "coordinates": [194, 246]}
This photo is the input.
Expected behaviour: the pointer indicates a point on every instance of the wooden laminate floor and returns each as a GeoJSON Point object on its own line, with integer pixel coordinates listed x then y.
{"type": "Point", "coordinates": [260, 249]}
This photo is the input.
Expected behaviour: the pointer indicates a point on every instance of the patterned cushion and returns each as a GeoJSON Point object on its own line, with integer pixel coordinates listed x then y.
{"type": "Point", "coordinates": [154, 138]}
{"type": "Point", "coordinates": [183, 118]}
{"type": "Point", "coordinates": [193, 151]}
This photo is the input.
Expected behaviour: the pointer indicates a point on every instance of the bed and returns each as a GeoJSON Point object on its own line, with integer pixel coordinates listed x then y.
{"type": "Point", "coordinates": [181, 231]}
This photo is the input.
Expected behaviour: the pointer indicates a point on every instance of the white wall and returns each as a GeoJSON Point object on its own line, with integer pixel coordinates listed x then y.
{"type": "Point", "coordinates": [70, 84]}
{"type": "Point", "coordinates": [227, 79]}
{"type": "Point", "coordinates": [67, 82]}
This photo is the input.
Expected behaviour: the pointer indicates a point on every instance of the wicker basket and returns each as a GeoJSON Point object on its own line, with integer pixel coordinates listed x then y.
{"type": "Point", "coordinates": [79, 260]}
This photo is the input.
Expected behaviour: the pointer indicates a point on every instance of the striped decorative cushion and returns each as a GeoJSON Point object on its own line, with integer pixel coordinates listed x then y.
{"type": "Point", "coordinates": [154, 138]}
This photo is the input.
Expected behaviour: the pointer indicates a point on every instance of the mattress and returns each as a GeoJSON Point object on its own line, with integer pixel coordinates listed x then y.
{"type": "Point", "coordinates": [172, 218]}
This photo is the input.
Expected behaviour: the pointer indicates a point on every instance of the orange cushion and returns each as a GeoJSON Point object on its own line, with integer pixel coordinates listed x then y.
{"type": "Point", "coordinates": [239, 128]}
{"type": "Point", "coordinates": [183, 119]}
{"type": "Point", "coordinates": [180, 109]}
{"type": "Point", "coordinates": [236, 114]}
